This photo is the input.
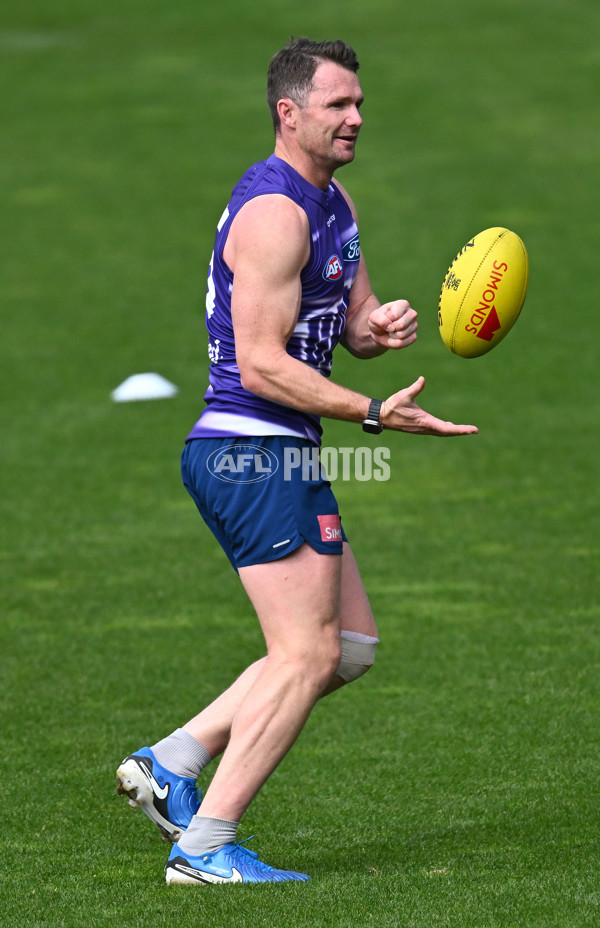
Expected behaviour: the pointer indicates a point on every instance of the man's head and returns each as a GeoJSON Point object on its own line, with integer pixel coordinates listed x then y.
{"type": "Point", "coordinates": [292, 69]}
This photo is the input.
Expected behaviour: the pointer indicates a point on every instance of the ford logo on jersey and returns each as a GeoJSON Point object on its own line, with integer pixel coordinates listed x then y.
{"type": "Point", "coordinates": [351, 250]}
{"type": "Point", "coordinates": [333, 269]}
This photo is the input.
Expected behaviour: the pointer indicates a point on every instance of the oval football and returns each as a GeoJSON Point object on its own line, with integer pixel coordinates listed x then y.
{"type": "Point", "coordinates": [483, 292]}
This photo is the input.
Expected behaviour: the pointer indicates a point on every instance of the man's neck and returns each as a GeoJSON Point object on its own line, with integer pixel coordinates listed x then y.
{"type": "Point", "coordinates": [314, 174]}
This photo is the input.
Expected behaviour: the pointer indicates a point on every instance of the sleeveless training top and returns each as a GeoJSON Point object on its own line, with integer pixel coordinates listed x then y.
{"type": "Point", "coordinates": [326, 281]}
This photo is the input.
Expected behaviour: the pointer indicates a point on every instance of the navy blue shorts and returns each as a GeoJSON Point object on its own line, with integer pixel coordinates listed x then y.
{"type": "Point", "coordinates": [262, 497]}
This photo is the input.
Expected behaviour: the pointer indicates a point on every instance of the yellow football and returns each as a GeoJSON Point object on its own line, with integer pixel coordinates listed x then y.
{"type": "Point", "coordinates": [483, 292]}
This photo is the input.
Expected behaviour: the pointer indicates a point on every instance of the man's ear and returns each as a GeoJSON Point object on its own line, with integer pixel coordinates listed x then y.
{"type": "Point", "coordinates": [287, 111]}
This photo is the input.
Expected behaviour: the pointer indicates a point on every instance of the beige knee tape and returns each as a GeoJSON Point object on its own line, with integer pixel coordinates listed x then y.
{"type": "Point", "coordinates": [358, 655]}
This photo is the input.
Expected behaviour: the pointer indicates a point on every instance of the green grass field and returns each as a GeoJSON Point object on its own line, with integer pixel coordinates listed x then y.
{"type": "Point", "coordinates": [458, 784]}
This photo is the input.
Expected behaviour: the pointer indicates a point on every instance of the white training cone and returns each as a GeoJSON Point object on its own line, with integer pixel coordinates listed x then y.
{"type": "Point", "coordinates": [144, 387]}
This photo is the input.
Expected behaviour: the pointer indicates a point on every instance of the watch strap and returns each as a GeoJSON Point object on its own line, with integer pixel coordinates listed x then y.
{"type": "Point", "coordinates": [374, 410]}
{"type": "Point", "coordinates": [372, 423]}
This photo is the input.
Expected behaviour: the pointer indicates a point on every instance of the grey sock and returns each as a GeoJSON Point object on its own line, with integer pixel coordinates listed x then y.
{"type": "Point", "coordinates": [205, 835]}
{"type": "Point", "coordinates": [182, 754]}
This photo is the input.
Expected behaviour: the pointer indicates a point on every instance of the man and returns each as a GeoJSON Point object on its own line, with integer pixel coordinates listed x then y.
{"type": "Point", "coordinates": [286, 284]}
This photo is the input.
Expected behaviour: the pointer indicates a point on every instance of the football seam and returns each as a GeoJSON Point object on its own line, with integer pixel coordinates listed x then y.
{"type": "Point", "coordinates": [460, 309]}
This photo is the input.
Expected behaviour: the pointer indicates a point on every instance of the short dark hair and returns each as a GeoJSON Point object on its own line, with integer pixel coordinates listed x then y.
{"type": "Point", "coordinates": [292, 69]}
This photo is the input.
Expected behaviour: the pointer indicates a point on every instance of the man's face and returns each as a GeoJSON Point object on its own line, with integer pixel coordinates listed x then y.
{"type": "Point", "coordinates": [328, 126]}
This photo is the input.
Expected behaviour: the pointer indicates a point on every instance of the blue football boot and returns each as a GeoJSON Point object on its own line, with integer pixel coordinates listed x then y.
{"type": "Point", "coordinates": [168, 800]}
{"type": "Point", "coordinates": [232, 863]}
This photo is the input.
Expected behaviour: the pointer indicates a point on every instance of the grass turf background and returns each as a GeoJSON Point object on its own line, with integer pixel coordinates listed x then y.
{"type": "Point", "coordinates": [457, 785]}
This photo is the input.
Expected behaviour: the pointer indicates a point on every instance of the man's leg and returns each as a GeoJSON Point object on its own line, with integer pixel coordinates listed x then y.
{"type": "Point", "coordinates": [356, 620]}
{"type": "Point", "coordinates": [300, 622]}
{"type": "Point", "coordinates": [355, 607]}
{"type": "Point", "coordinates": [297, 600]}
{"type": "Point", "coordinates": [211, 728]}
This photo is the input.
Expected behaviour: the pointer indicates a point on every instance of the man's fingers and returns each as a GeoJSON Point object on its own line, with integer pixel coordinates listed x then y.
{"type": "Point", "coordinates": [392, 317]}
{"type": "Point", "coordinates": [402, 413]}
{"type": "Point", "coordinates": [415, 388]}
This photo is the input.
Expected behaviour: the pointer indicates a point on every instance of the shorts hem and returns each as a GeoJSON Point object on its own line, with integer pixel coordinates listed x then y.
{"type": "Point", "coordinates": [276, 556]}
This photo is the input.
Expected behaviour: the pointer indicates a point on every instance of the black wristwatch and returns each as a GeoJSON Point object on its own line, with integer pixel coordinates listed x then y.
{"type": "Point", "coordinates": [371, 423]}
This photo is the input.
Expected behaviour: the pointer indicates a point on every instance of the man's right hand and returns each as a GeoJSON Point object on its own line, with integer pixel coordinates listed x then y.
{"type": "Point", "coordinates": [401, 413]}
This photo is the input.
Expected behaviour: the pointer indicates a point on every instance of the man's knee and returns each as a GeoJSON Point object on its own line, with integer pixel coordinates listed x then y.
{"type": "Point", "coordinates": [317, 660]}
{"type": "Point", "coordinates": [357, 655]}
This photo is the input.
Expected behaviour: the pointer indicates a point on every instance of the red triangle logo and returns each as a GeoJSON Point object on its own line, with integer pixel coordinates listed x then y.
{"type": "Point", "coordinates": [490, 326]}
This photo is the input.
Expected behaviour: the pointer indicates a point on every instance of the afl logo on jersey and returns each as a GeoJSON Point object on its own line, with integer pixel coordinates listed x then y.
{"type": "Point", "coordinates": [334, 268]}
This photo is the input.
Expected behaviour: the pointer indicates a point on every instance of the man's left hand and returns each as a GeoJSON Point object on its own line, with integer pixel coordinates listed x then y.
{"type": "Point", "coordinates": [393, 325]}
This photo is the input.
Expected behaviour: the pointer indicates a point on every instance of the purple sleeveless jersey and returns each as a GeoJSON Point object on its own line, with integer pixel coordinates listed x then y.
{"type": "Point", "coordinates": [326, 282]}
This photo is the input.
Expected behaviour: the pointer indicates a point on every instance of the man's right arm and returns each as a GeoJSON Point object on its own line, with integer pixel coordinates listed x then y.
{"type": "Point", "coordinates": [267, 247]}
